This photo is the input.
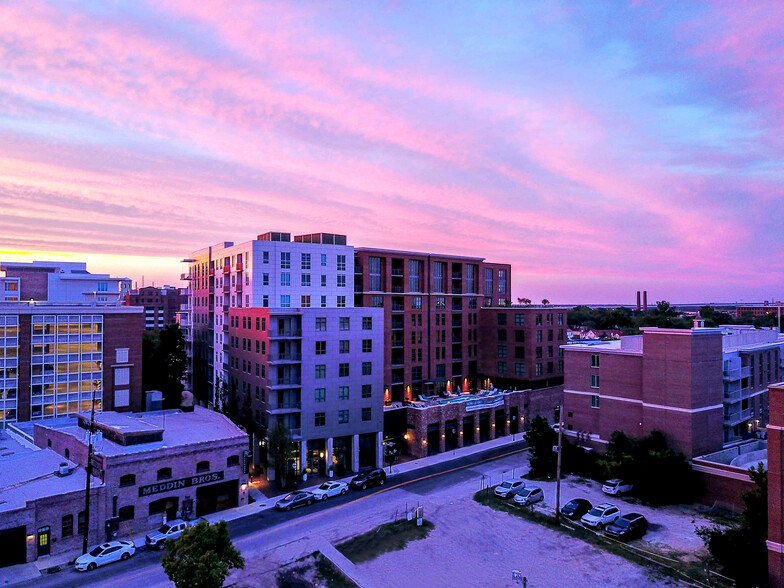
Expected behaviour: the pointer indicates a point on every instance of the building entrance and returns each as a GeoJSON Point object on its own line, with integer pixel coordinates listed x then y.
{"type": "Point", "coordinates": [14, 544]}
{"type": "Point", "coordinates": [44, 544]}
{"type": "Point", "coordinates": [216, 497]}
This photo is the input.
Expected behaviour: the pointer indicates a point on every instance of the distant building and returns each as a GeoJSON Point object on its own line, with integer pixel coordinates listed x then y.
{"type": "Point", "coordinates": [55, 359]}
{"type": "Point", "coordinates": [161, 305]}
{"type": "Point", "coordinates": [61, 282]}
{"type": "Point", "coordinates": [701, 387]}
{"type": "Point", "coordinates": [762, 309]}
{"type": "Point", "coordinates": [775, 542]}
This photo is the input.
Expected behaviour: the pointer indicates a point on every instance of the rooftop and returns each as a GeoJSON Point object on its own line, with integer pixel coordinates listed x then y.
{"type": "Point", "coordinates": [28, 473]}
{"type": "Point", "coordinates": [126, 433]}
{"type": "Point", "coordinates": [42, 307]}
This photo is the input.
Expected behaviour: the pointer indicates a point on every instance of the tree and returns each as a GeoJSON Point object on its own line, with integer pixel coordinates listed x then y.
{"type": "Point", "coordinates": [202, 556]}
{"type": "Point", "coordinates": [278, 446]}
{"type": "Point", "coordinates": [164, 362]}
{"type": "Point", "coordinates": [741, 551]}
{"type": "Point", "coordinates": [525, 301]}
{"type": "Point", "coordinates": [541, 438]}
{"type": "Point", "coordinates": [545, 301]}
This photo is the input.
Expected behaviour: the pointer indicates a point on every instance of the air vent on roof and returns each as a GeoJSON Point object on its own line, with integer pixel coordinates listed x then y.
{"type": "Point", "coordinates": [64, 469]}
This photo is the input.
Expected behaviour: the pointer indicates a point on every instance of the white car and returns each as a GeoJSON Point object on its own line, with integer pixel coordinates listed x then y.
{"type": "Point", "coordinates": [329, 489]}
{"type": "Point", "coordinates": [601, 515]}
{"type": "Point", "coordinates": [505, 489]}
{"type": "Point", "coordinates": [171, 530]}
{"type": "Point", "coordinates": [616, 486]}
{"type": "Point", "coordinates": [103, 554]}
{"type": "Point", "coordinates": [528, 495]}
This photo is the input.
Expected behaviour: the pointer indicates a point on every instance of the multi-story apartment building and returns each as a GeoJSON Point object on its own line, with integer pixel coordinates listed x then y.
{"type": "Point", "coordinates": [55, 359]}
{"type": "Point", "coordinates": [291, 283]}
{"type": "Point", "coordinates": [701, 387]}
{"type": "Point", "coordinates": [161, 305]}
{"type": "Point", "coordinates": [521, 345]}
{"type": "Point", "coordinates": [61, 282]}
{"type": "Point", "coordinates": [431, 309]}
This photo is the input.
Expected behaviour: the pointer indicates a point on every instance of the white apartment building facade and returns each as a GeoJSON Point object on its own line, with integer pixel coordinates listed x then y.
{"type": "Point", "coordinates": [60, 282]}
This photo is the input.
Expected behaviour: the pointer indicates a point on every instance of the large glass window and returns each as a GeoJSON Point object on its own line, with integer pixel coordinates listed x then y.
{"type": "Point", "coordinates": [439, 269]}
{"type": "Point", "coordinates": [488, 282]}
{"type": "Point", "coordinates": [413, 275]}
{"type": "Point", "coordinates": [374, 273]}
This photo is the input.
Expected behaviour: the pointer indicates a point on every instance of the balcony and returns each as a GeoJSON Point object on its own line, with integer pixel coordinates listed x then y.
{"type": "Point", "coordinates": [398, 308]}
{"type": "Point", "coordinates": [285, 334]}
{"type": "Point", "coordinates": [738, 416]}
{"type": "Point", "coordinates": [284, 381]}
{"type": "Point", "coordinates": [226, 288]}
{"type": "Point", "coordinates": [397, 273]}
{"type": "Point", "coordinates": [226, 269]}
{"type": "Point", "coordinates": [225, 327]}
{"type": "Point", "coordinates": [284, 357]}
{"type": "Point", "coordinates": [211, 272]}
{"type": "Point", "coordinates": [737, 374]}
{"type": "Point", "coordinates": [357, 268]}
{"type": "Point", "coordinates": [238, 289]}
{"type": "Point", "coordinates": [397, 289]}
{"type": "Point", "coordinates": [296, 433]}
{"type": "Point", "coordinates": [284, 407]}
{"type": "Point", "coordinates": [398, 361]}
{"type": "Point", "coordinates": [457, 290]}
{"type": "Point", "coordinates": [457, 276]}
{"type": "Point", "coordinates": [185, 277]}
{"type": "Point", "coordinates": [238, 267]}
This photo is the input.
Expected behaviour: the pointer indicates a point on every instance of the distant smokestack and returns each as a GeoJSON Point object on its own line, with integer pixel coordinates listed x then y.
{"type": "Point", "coordinates": [638, 300]}
{"type": "Point", "coordinates": [645, 301]}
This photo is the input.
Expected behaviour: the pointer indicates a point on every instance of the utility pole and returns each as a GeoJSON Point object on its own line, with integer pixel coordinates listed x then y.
{"type": "Point", "coordinates": [86, 535]}
{"type": "Point", "coordinates": [558, 468]}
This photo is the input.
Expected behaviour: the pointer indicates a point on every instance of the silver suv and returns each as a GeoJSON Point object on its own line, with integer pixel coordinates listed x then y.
{"type": "Point", "coordinates": [171, 530]}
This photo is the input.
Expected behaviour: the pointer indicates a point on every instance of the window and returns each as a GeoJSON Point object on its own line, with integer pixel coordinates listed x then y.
{"type": "Point", "coordinates": [127, 480]}
{"type": "Point", "coordinates": [320, 419]}
{"type": "Point", "coordinates": [232, 460]}
{"type": "Point", "coordinates": [538, 353]}
{"type": "Point", "coordinates": [538, 369]}
{"type": "Point", "coordinates": [501, 318]}
{"type": "Point", "coordinates": [501, 367]}
{"type": "Point", "coordinates": [502, 334]}
{"type": "Point", "coordinates": [413, 275]}
{"type": "Point", "coordinates": [321, 323]}
{"type": "Point", "coordinates": [519, 369]}
{"type": "Point", "coordinates": [342, 417]}
{"type": "Point", "coordinates": [341, 302]}
{"type": "Point", "coordinates": [377, 301]}
{"type": "Point", "coordinates": [416, 303]}
{"type": "Point", "coordinates": [285, 301]}
{"type": "Point", "coordinates": [321, 347]}
{"type": "Point", "coordinates": [265, 257]}
{"type": "Point", "coordinates": [342, 266]}
{"type": "Point", "coordinates": [265, 301]}
{"type": "Point", "coordinates": [321, 394]}
{"type": "Point", "coordinates": [285, 260]}
{"type": "Point", "coordinates": [472, 302]}
{"type": "Point", "coordinates": [345, 346]}
{"type": "Point", "coordinates": [285, 279]}
{"type": "Point", "coordinates": [538, 319]}
{"type": "Point", "coordinates": [367, 323]}
{"type": "Point", "coordinates": [595, 360]}
{"type": "Point", "coordinates": [560, 318]}
{"type": "Point", "coordinates": [164, 474]}
{"type": "Point", "coordinates": [305, 263]}
{"type": "Point", "coordinates": [594, 401]}
{"type": "Point", "coordinates": [343, 393]}
{"type": "Point", "coordinates": [343, 370]}
{"type": "Point", "coordinates": [323, 302]}
{"type": "Point", "coordinates": [374, 273]}
{"type": "Point", "coordinates": [539, 336]}
{"type": "Point", "coordinates": [304, 301]}
{"type": "Point", "coordinates": [488, 281]}
{"type": "Point", "coordinates": [367, 368]}
{"type": "Point", "coordinates": [323, 281]}
{"type": "Point", "coordinates": [367, 391]}
{"type": "Point", "coordinates": [367, 345]}
{"type": "Point", "coordinates": [323, 260]}
{"type": "Point", "coordinates": [341, 280]}
{"type": "Point", "coordinates": [122, 376]}
{"type": "Point", "coordinates": [126, 513]}
{"type": "Point", "coordinates": [67, 530]}
{"type": "Point", "coordinates": [519, 336]}
{"type": "Point", "coordinates": [122, 356]}
{"type": "Point", "coordinates": [345, 323]}
{"type": "Point", "coordinates": [202, 466]}
{"type": "Point", "coordinates": [367, 413]}
{"type": "Point", "coordinates": [502, 281]}
{"type": "Point", "coordinates": [519, 352]}
{"type": "Point", "coordinates": [265, 279]}
{"type": "Point", "coordinates": [81, 523]}
{"type": "Point", "coordinates": [305, 279]}
{"type": "Point", "coordinates": [502, 351]}
{"type": "Point", "coordinates": [103, 287]}
{"type": "Point", "coordinates": [321, 372]}
{"type": "Point", "coordinates": [439, 269]}
{"type": "Point", "coordinates": [594, 381]}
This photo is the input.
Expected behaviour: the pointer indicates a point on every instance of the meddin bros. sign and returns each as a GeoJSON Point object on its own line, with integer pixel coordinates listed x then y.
{"type": "Point", "coordinates": [170, 485]}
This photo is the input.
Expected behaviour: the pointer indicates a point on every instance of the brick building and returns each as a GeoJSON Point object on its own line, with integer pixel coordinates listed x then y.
{"type": "Point", "coordinates": [701, 387]}
{"type": "Point", "coordinates": [775, 541]}
{"type": "Point", "coordinates": [431, 308]}
{"type": "Point", "coordinates": [54, 359]}
{"type": "Point", "coordinates": [62, 282]}
{"type": "Point", "coordinates": [161, 305]}
{"type": "Point", "coordinates": [520, 346]}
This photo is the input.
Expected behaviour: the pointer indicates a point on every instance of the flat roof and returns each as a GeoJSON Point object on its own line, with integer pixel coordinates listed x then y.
{"type": "Point", "coordinates": [180, 429]}
{"type": "Point", "coordinates": [70, 308]}
{"type": "Point", "coordinates": [401, 252]}
{"type": "Point", "coordinates": [29, 473]}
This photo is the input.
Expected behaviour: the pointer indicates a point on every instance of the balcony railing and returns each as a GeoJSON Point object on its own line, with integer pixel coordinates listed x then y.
{"type": "Point", "coordinates": [398, 308]}
{"type": "Point", "coordinates": [273, 357]}
{"type": "Point", "coordinates": [185, 277]}
{"type": "Point", "coordinates": [226, 288]}
{"type": "Point", "coordinates": [357, 268]}
{"type": "Point", "coordinates": [397, 289]}
{"type": "Point", "coordinates": [286, 333]}
{"type": "Point", "coordinates": [285, 381]}
{"type": "Point", "coordinates": [238, 267]}
{"type": "Point", "coordinates": [398, 273]}
{"type": "Point", "coordinates": [737, 416]}
{"type": "Point", "coordinates": [296, 432]}
{"type": "Point", "coordinates": [737, 373]}
{"type": "Point", "coordinates": [226, 269]}
{"type": "Point", "coordinates": [286, 406]}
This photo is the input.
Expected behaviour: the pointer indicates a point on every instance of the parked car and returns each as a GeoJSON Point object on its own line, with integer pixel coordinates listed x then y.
{"type": "Point", "coordinates": [576, 508]}
{"type": "Point", "coordinates": [329, 489]}
{"type": "Point", "coordinates": [629, 526]}
{"type": "Point", "coordinates": [528, 495]}
{"type": "Point", "coordinates": [601, 515]}
{"type": "Point", "coordinates": [105, 553]}
{"type": "Point", "coordinates": [506, 489]}
{"type": "Point", "coordinates": [295, 499]}
{"type": "Point", "coordinates": [375, 477]}
{"type": "Point", "coordinates": [616, 486]}
{"type": "Point", "coordinates": [171, 530]}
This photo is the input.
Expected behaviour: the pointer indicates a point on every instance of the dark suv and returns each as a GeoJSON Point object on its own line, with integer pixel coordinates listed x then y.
{"type": "Point", "coordinates": [375, 477]}
{"type": "Point", "coordinates": [629, 526]}
{"type": "Point", "coordinates": [576, 508]}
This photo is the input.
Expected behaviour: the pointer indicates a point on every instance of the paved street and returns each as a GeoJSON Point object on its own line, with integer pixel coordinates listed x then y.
{"type": "Point", "coordinates": [264, 530]}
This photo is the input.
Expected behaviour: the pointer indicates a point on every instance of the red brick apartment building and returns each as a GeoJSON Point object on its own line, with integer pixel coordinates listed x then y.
{"type": "Point", "coordinates": [701, 387]}
{"type": "Point", "coordinates": [431, 308]}
{"type": "Point", "coordinates": [161, 305]}
{"type": "Point", "coordinates": [775, 541]}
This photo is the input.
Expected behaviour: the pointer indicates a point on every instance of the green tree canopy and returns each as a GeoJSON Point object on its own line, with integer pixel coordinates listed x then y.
{"type": "Point", "coordinates": [164, 362]}
{"type": "Point", "coordinates": [278, 446]}
{"type": "Point", "coordinates": [541, 438]}
{"type": "Point", "coordinates": [202, 556]}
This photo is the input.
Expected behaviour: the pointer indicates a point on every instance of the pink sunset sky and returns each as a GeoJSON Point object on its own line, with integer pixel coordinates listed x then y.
{"type": "Point", "coordinates": [598, 147]}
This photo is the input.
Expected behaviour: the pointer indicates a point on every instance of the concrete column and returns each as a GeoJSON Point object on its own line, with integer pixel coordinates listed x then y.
{"type": "Point", "coordinates": [475, 432]}
{"type": "Point", "coordinates": [329, 454]}
{"type": "Point", "coordinates": [380, 449]}
{"type": "Point", "coordinates": [441, 440]}
{"type": "Point", "coordinates": [460, 433]}
{"type": "Point", "coordinates": [492, 423]}
{"type": "Point", "coordinates": [355, 453]}
{"type": "Point", "coordinates": [303, 455]}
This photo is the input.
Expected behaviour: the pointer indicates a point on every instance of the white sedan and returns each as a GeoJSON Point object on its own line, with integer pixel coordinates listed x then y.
{"type": "Point", "coordinates": [329, 489]}
{"type": "Point", "coordinates": [105, 553]}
